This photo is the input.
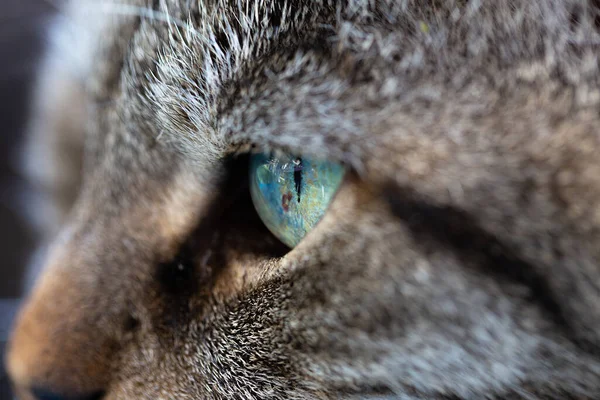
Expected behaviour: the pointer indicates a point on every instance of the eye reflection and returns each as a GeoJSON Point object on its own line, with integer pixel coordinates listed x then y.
{"type": "Point", "coordinates": [291, 194]}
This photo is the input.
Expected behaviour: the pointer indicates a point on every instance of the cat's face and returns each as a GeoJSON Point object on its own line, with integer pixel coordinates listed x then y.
{"type": "Point", "coordinates": [459, 258]}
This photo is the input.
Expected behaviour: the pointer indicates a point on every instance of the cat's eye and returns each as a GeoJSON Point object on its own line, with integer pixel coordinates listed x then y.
{"type": "Point", "coordinates": [291, 194]}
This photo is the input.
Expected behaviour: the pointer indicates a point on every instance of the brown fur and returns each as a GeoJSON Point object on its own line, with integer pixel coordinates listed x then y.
{"type": "Point", "coordinates": [459, 259]}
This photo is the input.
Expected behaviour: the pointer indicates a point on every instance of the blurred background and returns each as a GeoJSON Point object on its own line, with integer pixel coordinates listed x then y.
{"type": "Point", "coordinates": [23, 25]}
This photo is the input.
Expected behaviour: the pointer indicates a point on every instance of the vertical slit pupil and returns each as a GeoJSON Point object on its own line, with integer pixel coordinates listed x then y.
{"type": "Point", "coordinates": [298, 176]}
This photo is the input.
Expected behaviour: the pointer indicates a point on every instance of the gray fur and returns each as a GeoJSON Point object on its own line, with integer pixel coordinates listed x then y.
{"type": "Point", "coordinates": [459, 259]}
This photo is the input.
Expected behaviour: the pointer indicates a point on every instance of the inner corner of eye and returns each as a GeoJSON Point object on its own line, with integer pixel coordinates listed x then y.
{"type": "Point", "coordinates": [291, 193]}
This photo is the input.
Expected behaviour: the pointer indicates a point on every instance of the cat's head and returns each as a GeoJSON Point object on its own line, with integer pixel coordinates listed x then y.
{"type": "Point", "coordinates": [458, 259]}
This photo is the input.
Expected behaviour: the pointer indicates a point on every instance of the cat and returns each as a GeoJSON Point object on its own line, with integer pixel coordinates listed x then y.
{"type": "Point", "coordinates": [459, 259]}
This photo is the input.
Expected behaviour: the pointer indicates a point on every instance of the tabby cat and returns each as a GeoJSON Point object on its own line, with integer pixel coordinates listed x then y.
{"type": "Point", "coordinates": [449, 151]}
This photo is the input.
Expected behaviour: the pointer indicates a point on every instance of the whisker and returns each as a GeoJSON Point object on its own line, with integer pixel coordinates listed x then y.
{"type": "Point", "coordinates": [137, 11]}
{"type": "Point", "coordinates": [70, 39]}
{"type": "Point", "coordinates": [123, 9]}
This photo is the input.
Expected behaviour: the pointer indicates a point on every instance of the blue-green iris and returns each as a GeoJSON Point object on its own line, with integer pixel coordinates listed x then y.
{"type": "Point", "coordinates": [291, 194]}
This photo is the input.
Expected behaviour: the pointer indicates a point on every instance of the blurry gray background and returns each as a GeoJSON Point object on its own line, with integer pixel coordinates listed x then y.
{"type": "Point", "coordinates": [22, 38]}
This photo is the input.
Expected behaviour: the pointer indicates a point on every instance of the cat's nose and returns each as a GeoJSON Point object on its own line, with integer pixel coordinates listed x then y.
{"type": "Point", "coordinates": [60, 349]}
{"type": "Point", "coordinates": [42, 394]}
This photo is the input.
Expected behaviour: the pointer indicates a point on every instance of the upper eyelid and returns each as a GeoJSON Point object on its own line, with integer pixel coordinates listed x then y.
{"type": "Point", "coordinates": [279, 151]}
{"type": "Point", "coordinates": [185, 124]}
